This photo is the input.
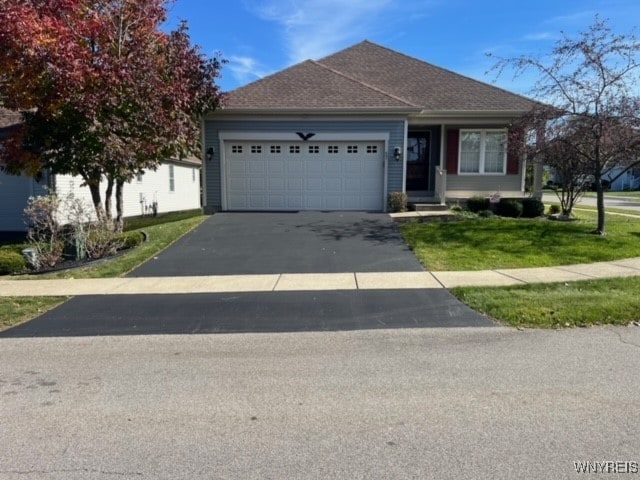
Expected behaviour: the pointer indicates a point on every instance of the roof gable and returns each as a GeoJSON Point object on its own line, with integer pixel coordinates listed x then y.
{"type": "Point", "coordinates": [421, 83]}
{"type": "Point", "coordinates": [369, 76]}
{"type": "Point", "coordinates": [310, 85]}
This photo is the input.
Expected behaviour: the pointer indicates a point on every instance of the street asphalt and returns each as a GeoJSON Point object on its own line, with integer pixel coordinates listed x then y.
{"type": "Point", "coordinates": [487, 403]}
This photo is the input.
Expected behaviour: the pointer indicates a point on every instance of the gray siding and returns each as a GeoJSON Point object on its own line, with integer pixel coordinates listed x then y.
{"type": "Point", "coordinates": [213, 202]}
{"type": "Point", "coordinates": [14, 194]}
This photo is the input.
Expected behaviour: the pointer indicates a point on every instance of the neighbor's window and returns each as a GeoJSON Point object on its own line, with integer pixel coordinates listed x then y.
{"type": "Point", "coordinates": [483, 151]}
{"type": "Point", "coordinates": [172, 179]}
{"type": "Point", "coordinates": [139, 177]}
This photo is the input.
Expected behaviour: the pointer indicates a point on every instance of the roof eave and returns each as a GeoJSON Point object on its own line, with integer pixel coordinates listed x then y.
{"type": "Point", "coordinates": [377, 111]}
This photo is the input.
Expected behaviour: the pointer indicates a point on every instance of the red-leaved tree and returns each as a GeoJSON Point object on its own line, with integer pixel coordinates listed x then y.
{"type": "Point", "coordinates": [106, 93]}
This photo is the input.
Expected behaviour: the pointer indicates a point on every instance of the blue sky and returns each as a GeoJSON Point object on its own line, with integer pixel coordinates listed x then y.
{"type": "Point", "coordinates": [260, 37]}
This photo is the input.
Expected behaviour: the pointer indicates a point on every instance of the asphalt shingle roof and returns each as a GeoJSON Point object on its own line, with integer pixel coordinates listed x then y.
{"type": "Point", "coordinates": [370, 76]}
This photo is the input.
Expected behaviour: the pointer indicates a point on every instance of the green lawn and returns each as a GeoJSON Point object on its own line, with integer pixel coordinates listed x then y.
{"type": "Point", "coordinates": [593, 302]}
{"type": "Point", "coordinates": [479, 244]}
{"type": "Point", "coordinates": [634, 194]}
{"type": "Point", "coordinates": [15, 310]}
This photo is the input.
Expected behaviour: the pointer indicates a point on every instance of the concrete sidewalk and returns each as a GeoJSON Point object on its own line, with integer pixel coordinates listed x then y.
{"type": "Point", "coordinates": [288, 282]}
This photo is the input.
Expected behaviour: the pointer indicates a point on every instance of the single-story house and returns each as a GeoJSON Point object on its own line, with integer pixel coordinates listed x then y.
{"type": "Point", "coordinates": [174, 186]}
{"type": "Point", "coordinates": [343, 132]}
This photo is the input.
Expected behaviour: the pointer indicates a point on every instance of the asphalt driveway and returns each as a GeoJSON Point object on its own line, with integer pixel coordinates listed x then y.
{"type": "Point", "coordinates": [267, 243]}
{"type": "Point", "coordinates": [272, 243]}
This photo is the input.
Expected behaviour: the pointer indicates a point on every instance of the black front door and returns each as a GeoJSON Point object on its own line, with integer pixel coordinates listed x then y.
{"type": "Point", "coordinates": [418, 148]}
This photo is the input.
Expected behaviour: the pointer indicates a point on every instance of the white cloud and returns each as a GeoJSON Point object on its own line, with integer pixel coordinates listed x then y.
{"type": "Point", "coordinates": [541, 36]}
{"type": "Point", "coordinates": [316, 28]}
{"type": "Point", "coordinates": [246, 69]}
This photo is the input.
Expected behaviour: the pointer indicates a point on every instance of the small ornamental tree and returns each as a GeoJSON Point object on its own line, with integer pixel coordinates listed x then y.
{"type": "Point", "coordinates": [588, 121]}
{"type": "Point", "coordinates": [106, 93]}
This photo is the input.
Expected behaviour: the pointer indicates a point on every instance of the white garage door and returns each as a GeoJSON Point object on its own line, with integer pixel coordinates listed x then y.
{"type": "Point", "coordinates": [304, 175]}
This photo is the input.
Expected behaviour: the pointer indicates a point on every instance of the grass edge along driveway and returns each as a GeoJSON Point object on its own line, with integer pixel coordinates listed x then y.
{"type": "Point", "coordinates": [166, 230]}
{"type": "Point", "coordinates": [479, 244]}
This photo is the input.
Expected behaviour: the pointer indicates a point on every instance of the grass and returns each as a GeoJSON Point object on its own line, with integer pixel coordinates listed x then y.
{"type": "Point", "coordinates": [585, 303]}
{"type": "Point", "coordinates": [631, 194]}
{"type": "Point", "coordinates": [166, 230]}
{"type": "Point", "coordinates": [479, 244]}
{"type": "Point", "coordinates": [160, 236]}
{"type": "Point", "coordinates": [15, 310]}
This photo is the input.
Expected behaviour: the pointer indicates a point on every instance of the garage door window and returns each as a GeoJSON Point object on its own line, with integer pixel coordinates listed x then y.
{"type": "Point", "coordinates": [314, 149]}
{"type": "Point", "coordinates": [294, 149]}
{"type": "Point", "coordinates": [333, 149]}
{"type": "Point", "coordinates": [352, 149]}
{"type": "Point", "coordinates": [275, 149]}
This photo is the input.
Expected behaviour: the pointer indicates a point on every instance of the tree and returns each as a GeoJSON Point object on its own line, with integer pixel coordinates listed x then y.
{"type": "Point", "coordinates": [106, 93]}
{"type": "Point", "coordinates": [589, 113]}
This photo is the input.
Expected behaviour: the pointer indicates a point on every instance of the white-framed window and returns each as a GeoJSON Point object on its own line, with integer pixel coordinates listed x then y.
{"type": "Point", "coordinates": [139, 177]}
{"type": "Point", "coordinates": [172, 179]}
{"type": "Point", "coordinates": [482, 152]}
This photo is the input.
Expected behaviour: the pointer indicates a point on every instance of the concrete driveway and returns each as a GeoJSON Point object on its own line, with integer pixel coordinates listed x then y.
{"type": "Point", "coordinates": [301, 242]}
{"type": "Point", "coordinates": [268, 243]}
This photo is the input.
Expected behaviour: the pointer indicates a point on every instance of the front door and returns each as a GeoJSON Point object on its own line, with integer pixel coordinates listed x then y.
{"type": "Point", "coordinates": [418, 148]}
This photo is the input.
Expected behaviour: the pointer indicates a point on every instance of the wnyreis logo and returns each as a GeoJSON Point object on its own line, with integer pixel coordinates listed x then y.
{"type": "Point", "coordinates": [606, 467]}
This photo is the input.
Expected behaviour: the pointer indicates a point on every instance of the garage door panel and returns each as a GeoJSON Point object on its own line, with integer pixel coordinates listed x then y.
{"type": "Point", "coordinates": [304, 176]}
{"type": "Point", "coordinates": [257, 185]}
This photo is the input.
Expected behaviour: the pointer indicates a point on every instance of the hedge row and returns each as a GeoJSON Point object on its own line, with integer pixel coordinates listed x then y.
{"type": "Point", "coordinates": [508, 207]}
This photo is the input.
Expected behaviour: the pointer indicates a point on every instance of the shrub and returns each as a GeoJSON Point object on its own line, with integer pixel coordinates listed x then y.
{"type": "Point", "coordinates": [45, 235]}
{"type": "Point", "coordinates": [532, 208]}
{"type": "Point", "coordinates": [554, 209]}
{"type": "Point", "coordinates": [11, 262]}
{"type": "Point", "coordinates": [477, 204]}
{"type": "Point", "coordinates": [485, 213]}
{"type": "Point", "coordinates": [509, 207]}
{"type": "Point", "coordinates": [130, 239]}
{"type": "Point", "coordinates": [398, 202]}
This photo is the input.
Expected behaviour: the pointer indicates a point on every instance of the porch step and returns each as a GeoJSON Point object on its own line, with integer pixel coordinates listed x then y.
{"type": "Point", "coordinates": [428, 207]}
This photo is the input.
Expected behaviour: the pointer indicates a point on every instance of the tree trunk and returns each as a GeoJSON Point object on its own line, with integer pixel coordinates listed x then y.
{"type": "Point", "coordinates": [600, 230]}
{"type": "Point", "coordinates": [97, 201]}
{"type": "Point", "coordinates": [119, 206]}
{"type": "Point", "coordinates": [107, 198]}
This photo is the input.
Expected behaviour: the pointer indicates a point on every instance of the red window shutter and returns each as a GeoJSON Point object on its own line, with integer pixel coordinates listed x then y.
{"type": "Point", "coordinates": [515, 140]}
{"type": "Point", "coordinates": [453, 138]}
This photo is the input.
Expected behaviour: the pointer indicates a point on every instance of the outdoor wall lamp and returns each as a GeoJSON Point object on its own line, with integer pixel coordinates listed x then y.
{"type": "Point", "coordinates": [210, 152]}
{"type": "Point", "coordinates": [396, 154]}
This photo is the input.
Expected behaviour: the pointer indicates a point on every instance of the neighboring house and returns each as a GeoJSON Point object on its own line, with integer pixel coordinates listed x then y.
{"type": "Point", "coordinates": [174, 186]}
{"type": "Point", "coordinates": [343, 132]}
{"type": "Point", "coordinates": [630, 180]}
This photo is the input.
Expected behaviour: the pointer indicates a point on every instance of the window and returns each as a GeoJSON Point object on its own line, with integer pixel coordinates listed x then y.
{"type": "Point", "coordinates": [193, 175]}
{"type": "Point", "coordinates": [294, 149]}
{"type": "Point", "coordinates": [275, 148]}
{"type": "Point", "coordinates": [333, 149]}
{"type": "Point", "coordinates": [352, 149]}
{"type": "Point", "coordinates": [483, 152]}
{"type": "Point", "coordinates": [256, 149]}
{"type": "Point", "coordinates": [314, 149]}
{"type": "Point", "coordinates": [139, 177]}
{"type": "Point", "coordinates": [236, 149]}
{"type": "Point", "coordinates": [172, 179]}
{"type": "Point", "coordinates": [372, 149]}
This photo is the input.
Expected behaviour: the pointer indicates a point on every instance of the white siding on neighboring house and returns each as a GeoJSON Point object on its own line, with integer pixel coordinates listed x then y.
{"type": "Point", "coordinates": [14, 193]}
{"type": "Point", "coordinates": [140, 193]}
